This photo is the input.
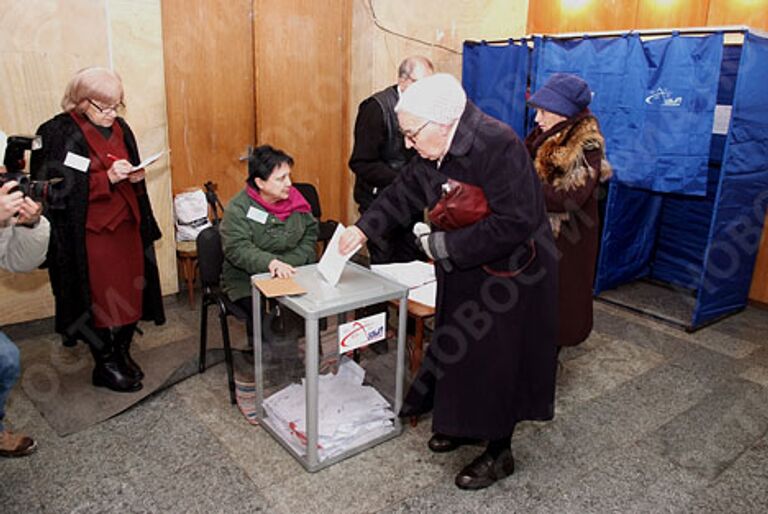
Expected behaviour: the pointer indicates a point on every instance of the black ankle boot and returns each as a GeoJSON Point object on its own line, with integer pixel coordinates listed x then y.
{"type": "Point", "coordinates": [109, 370]}
{"type": "Point", "coordinates": [122, 342]}
{"type": "Point", "coordinates": [110, 373]}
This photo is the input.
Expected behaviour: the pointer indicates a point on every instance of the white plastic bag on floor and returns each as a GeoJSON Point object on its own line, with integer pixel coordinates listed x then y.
{"type": "Point", "coordinates": [191, 213]}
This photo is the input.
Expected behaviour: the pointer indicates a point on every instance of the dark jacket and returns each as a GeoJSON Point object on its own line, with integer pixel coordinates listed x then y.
{"type": "Point", "coordinates": [570, 160]}
{"type": "Point", "coordinates": [491, 361]}
{"type": "Point", "coordinates": [379, 150]}
{"type": "Point", "coordinates": [67, 210]}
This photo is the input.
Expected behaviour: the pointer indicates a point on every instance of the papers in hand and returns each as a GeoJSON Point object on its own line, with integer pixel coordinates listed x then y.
{"type": "Point", "coordinates": [332, 262]}
{"type": "Point", "coordinates": [149, 160]}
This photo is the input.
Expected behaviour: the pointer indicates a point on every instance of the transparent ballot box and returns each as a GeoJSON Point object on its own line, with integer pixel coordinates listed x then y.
{"type": "Point", "coordinates": [312, 396]}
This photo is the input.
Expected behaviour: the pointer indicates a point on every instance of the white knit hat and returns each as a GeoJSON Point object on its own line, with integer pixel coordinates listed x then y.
{"type": "Point", "coordinates": [438, 98]}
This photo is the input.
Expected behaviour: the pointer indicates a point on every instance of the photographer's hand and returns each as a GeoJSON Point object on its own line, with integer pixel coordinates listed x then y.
{"type": "Point", "coordinates": [29, 212]}
{"type": "Point", "coordinates": [10, 203]}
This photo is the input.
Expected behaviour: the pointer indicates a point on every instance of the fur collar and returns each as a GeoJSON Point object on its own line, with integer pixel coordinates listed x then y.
{"type": "Point", "coordinates": [558, 154]}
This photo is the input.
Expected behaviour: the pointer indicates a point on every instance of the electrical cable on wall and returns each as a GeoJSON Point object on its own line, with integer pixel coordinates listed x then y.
{"type": "Point", "coordinates": [404, 36]}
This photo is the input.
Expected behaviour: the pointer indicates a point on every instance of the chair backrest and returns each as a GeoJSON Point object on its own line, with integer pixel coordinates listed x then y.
{"type": "Point", "coordinates": [210, 256]}
{"type": "Point", "coordinates": [309, 192]}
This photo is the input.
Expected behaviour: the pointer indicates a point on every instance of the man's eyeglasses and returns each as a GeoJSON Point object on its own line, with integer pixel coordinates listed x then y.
{"type": "Point", "coordinates": [109, 109]}
{"type": "Point", "coordinates": [411, 136]}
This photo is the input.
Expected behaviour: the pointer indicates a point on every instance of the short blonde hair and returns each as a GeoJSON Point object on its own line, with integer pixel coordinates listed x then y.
{"type": "Point", "coordinates": [100, 84]}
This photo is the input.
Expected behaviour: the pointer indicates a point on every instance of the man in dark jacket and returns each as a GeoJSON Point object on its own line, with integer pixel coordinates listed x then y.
{"type": "Point", "coordinates": [491, 361]}
{"type": "Point", "coordinates": [378, 155]}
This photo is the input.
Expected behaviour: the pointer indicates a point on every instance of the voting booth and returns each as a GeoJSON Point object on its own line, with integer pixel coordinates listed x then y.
{"type": "Point", "coordinates": [684, 117]}
{"type": "Point", "coordinates": [330, 407]}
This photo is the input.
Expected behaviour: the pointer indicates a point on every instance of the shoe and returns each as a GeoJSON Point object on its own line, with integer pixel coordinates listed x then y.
{"type": "Point", "coordinates": [14, 445]}
{"type": "Point", "coordinates": [440, 443]}
{"type": "Point", "coordinates": [131, 367]}
{"type": "Point", "coordinates": [485, 471]}
{"type": "Point", "coordinates": [121, 342]}
{"type": "Point", "coordinates": [109, 373]}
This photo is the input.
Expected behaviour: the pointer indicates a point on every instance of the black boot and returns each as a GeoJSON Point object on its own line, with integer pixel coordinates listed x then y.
{"type": "Point", "coordinates": [123, 337]}
{"type": "Point", "coordinates": [109, 370]}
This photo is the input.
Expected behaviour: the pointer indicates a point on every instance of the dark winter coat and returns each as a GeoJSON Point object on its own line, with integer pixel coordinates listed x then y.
{"type": "Point", "coordinates": [491, 360]}
{"type": "Point", "coordinates": [67, 210]}
{"type": "Point", "coordinates": [570, 160]}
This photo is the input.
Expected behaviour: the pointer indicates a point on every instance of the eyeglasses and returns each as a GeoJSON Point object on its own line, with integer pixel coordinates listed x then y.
{"type": "Point", "coordinates": [411, 136]}
{"type": "Point", "coordinates": [106, 110]}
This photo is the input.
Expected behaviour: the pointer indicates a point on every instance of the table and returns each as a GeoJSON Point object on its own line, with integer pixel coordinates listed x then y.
{"type": "Point", "coordinates": [357, 288]}
{"type": "Point", "coordinates": [419, 313]}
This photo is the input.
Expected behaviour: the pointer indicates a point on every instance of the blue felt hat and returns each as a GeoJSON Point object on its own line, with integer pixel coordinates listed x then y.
{"type": "Point", "coordinates": [563, 94]}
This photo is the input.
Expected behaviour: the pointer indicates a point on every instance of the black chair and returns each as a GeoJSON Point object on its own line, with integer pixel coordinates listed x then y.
{"type": "Point", "coordinates": [210, 257]}
{"type": "Point", "coordinates": [325, 228]}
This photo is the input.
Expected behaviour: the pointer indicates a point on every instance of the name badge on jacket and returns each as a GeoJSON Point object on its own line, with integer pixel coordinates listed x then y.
{"type": "Point", "coordinates": [77, 162]}
{"type": "Point", "coordinates": [257, 215]}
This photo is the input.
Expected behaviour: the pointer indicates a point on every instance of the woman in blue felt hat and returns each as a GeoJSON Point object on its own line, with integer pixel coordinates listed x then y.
{"type": "Point", "coordinates": [568, 153]}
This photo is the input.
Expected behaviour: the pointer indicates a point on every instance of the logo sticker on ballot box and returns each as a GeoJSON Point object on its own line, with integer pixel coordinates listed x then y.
{"type": "Point", "coordinates": [362, 332]}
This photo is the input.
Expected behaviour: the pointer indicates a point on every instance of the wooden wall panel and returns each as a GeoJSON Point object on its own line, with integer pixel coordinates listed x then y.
{"type": "Point", "coordinates": [209, 90]}
{"type": "Point", "coordinates": [137, 54]}
{"type": "Point", "coordinates": [301, 62]}
{"type": "Point", "coordinates": [671, 13]}
{"type": "Point", "coordinates": [559, 16]}
{"type": "Point", "coordinates": [739, 12]}
{"type": "Point", "coordinates": [42, 43]}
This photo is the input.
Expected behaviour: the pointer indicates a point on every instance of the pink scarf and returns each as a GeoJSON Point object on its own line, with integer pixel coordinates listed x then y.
{"type": "Point", "coordinates": [282, 208]}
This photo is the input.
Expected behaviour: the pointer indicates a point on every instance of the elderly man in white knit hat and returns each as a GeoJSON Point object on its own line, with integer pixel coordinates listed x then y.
{"type": "Point", "coordinates": [491, 361]}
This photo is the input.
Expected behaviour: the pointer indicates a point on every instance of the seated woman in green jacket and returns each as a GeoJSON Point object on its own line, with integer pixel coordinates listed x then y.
{"type": "Point", "coordinates": [266, 227]}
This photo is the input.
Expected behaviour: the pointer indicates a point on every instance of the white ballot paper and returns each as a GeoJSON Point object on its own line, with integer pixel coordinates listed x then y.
{"type": "Point", "coordinates": [332, 262]}
{"type": "Point", "coordinates": [149, 160]}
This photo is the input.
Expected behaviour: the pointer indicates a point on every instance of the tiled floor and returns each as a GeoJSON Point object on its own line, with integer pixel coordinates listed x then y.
{"type": "Point", "coordinates": [650, 419]}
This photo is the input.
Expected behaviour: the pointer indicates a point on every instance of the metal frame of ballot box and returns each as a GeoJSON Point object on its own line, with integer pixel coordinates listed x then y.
{"type": "Point", "coordinates": [358, 287]}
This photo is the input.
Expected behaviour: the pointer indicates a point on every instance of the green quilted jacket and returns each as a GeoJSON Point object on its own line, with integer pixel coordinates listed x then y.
{"type": "Point", "coordinates": [249, 246]}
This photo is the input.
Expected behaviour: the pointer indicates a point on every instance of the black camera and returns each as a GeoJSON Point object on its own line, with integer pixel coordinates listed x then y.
{"type": "Point", "coordinates": [14, 162]}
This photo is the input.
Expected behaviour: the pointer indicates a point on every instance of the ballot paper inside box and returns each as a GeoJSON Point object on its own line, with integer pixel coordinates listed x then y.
{"type": "Point", "coordinates": [311, 396]}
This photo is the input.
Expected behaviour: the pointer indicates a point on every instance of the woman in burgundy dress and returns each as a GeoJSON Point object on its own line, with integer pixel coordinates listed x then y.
{"type": "Point", "coordinates": [101, 259]}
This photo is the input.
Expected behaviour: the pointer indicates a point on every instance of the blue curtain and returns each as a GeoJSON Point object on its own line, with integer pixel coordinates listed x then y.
{"type": "Point", "coordinates": [685, 220]}
{"type": "Point", "coordinates": [495, 79]}
{"type": "Point", "coordinates": [742, 196]}
{"type": "Point", "coordinates": [629, 233]}
{"type": "Point", "coordinates": [655, 101]}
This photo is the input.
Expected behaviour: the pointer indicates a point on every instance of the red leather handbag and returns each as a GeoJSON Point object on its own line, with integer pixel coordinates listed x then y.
{"type": "Point", "coordinates": [461, 205]}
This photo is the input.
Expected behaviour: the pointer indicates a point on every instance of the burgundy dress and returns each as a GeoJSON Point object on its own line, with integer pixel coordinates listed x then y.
{"type": "Point", "coordinates": [113, 240]}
